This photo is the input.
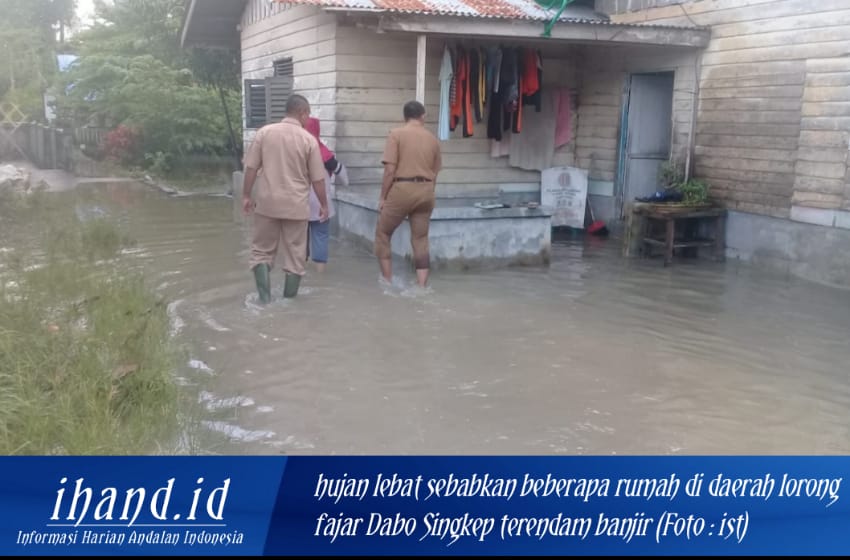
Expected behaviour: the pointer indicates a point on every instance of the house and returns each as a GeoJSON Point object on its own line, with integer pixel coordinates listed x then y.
{"type": "Point", "coordinates": [633, 88]}
{"type": "Point", "coordinates": [772, 124]}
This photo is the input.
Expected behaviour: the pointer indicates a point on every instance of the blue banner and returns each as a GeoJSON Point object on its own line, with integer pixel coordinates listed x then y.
{"type": "Point", "coordinates": [280, 506]}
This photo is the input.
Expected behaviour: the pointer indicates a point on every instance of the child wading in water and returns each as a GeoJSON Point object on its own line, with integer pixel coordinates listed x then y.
{"type": "Point", "coordinates": [319, 232]}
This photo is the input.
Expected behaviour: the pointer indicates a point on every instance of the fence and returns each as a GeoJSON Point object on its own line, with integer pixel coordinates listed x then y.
{"type": "Point", "coordinates": [46, 147]}
{"type": "Point", "coordinates": [91, 137]}
{"type": "Point", "coordinates": [55, 148]}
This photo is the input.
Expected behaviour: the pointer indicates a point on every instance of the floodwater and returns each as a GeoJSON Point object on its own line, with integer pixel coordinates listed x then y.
{"type": "Point", "coordinates": [594, 355]}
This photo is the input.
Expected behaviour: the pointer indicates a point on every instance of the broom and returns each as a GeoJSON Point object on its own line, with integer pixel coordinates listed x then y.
{"type": "Point", "coordinates": [596, 227]}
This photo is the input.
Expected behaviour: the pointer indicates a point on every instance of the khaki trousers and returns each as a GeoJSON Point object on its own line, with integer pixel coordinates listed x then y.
{"type": "Point", "coordinates": [287, 238]}
{"type": "Point", "coordinates": [414, 201]}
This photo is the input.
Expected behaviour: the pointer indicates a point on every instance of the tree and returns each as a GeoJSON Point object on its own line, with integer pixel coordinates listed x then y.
{"type": "Point", "coordinates": [46, 16]}
{"type": "Point", "coordinates": [220, 70]}
{"type": "Point", "coordinates": [136, 27]}
{"type": "Point", "coordinates": [28, 37]}
{"type": "Point", "coordinates": [174, 114]}
{"type": "Point", "coordinates": [132, 71]}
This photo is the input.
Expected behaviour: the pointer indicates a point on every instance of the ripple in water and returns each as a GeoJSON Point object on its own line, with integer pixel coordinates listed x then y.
{"type": "Point", "coordinates": [592, 355]}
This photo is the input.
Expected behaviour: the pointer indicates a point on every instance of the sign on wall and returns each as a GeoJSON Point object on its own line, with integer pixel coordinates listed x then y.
{"type": "Point", "coordinates": [564, 191]}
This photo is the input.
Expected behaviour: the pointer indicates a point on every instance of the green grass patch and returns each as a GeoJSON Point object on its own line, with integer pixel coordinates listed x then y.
{"type": "Point", "coordinates": [86, 360]}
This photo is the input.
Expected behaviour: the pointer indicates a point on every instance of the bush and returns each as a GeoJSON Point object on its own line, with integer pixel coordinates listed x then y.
{"type": "Point", "coordinates": [157, 109]}
{"type": "Point", "coordinates": [671, 177]}
{"type": "Point", "coordinates": [122, 144]}
{"type": "Point", "coordinates": [693, 191]}
{"type": "Point", "coordinates": [159, 163]}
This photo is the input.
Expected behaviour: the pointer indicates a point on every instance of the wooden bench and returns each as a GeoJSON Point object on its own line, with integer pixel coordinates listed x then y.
{"type": "Point", "coordinates": [680, 228]}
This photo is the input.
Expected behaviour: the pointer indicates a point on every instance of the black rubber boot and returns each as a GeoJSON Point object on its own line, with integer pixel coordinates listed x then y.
{"type": "Point", "coordinates": [262, 277]}
{"type": "Point", "coordinates": [290, 287]}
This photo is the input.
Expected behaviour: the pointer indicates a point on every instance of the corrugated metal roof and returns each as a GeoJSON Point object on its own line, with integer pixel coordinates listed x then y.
{"type": "Point", "coordinates": [527, 10]}
{"type": "Point", "coordinates": [502, 9]}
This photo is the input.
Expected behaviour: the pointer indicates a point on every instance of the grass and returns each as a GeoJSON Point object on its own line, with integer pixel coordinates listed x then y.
{"type": "Point", "coordinates": [86, 360]}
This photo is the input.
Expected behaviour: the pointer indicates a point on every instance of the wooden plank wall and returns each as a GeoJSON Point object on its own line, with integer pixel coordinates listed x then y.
{"type": "Point", "coordinates": [767, 103]}
{"type": "Point", "coordinates": [604, 74]}
{"type": "Point", "coordinates": [376, 75]}
{"type": "Point", "coordinates": [306, 34]}
{"type": "Point", "coordinates": [822, 171]}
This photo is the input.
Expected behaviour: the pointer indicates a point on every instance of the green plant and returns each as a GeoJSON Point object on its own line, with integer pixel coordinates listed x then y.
{"type": "Point", "coordinates": [670, 175]}
{"type": "Point", "coordinates": [694, 191]}
{"type": "Point", "coordinates": [159, 163]}
{"type": "Point", "coordinates": [86, 359]}
{"type": "Point", "coordinates": [132, 71]}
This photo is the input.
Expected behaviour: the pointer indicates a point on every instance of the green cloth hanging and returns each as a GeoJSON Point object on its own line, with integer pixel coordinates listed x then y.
{"type": "Point", "coordinates": [550, 5]}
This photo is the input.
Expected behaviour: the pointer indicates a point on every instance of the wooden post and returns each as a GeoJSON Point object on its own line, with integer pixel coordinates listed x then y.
{"type": "Point", "coordinates": [237, 179]}
{"type": "Point", "coordinates": [670, 236]}
{"type": "Point", "coordinates": [42, 147]}
{"type": "Point", "coordinates": [720, 238]}
{"type": "Point", "coordinates": [694, 116]}
{"type": "Point", "coordinates": [421, 55]}
{"type": "Point", "coordinates": [54, 156]}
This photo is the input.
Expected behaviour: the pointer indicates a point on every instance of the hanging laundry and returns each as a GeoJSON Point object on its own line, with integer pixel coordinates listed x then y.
{"type": "Point", "coordinates": [468, 127]}
{"type": "Point", "coordinates": [532, 78]}
{"type": "Point", "coordinates": [510, 87]}
{"type": "Point", "coordinates": [494, 120]}
{"type": "Point", "coordinates": [474, 79]}
{"type": "Point", "coordinates": [458, 93]}
{"type": "Point", "coordinates": [510, 75]}
{"type": "Point", "coordinates": [494, 67]}
{"type": "Point", "coordinates": [535, 148]}
{"type": "Point", "coordinates": [446, 79]}
{"type": "Point", "coordinates": [516, 126]}
{"type": "Point", "coordinates": [482, 79]}
{"type": "Point", "coordinates": [453, 89]}
{"type": "Point", "coordinates": [564, 124]}
{"type": "Point", "coordinates": [507, 80]}
{"type": "Point", "coordinates": [501, 148]}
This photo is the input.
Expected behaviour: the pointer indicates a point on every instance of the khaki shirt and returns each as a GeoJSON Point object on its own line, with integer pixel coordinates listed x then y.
{"type": "Point", "coordinates": [414, 150]}
{"type": "Point", "coordinates": [290, 161]}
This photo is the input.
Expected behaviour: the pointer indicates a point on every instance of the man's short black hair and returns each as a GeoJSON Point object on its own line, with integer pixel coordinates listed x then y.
{"type": "Point", "coordinates": [296, 103]}
{"type": "Point", "coordinates": [413, 110]}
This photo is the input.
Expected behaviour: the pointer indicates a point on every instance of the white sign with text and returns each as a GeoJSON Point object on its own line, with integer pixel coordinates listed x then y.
{"type": "Point", "coordinates": [564, 191]}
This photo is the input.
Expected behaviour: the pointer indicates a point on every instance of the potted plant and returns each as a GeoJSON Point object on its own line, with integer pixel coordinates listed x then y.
{"type": "Point", "coordinates": [683, 192]}
{"type": "Point", "coordinates": [694, 192]}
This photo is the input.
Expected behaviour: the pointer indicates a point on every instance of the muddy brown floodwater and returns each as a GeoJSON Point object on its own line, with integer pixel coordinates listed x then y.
{"type": "Point", "coordinates": [594, 355]}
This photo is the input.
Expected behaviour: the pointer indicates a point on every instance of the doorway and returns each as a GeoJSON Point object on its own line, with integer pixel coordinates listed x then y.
{"type": "Point", "coordinates": [646, 134]}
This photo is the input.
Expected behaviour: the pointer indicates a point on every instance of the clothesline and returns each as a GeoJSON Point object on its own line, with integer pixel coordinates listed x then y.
{"type": "Point", "coordinates": [499, 83]}
{"type": "Point", "coordinates": [503, 80]}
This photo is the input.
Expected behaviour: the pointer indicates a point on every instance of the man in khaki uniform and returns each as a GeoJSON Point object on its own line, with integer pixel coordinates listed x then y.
{"type": "Point", "coordinates": [412, 160]}
{"type": "Point", "coordinates": [288, 161]}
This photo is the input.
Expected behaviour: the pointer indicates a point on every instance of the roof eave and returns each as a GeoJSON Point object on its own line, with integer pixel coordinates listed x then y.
{"type": "Point", "coordinates": [212, 24]}
{"type": "Point", "coordinates": [607, 33]}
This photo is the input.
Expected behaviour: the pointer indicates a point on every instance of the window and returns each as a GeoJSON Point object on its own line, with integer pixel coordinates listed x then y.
{"type": "Point", "coordinates": [283, 67]}
{"type": "Point", "coordinates": [266, 98]}
{"type": "Point", "coordinates": [255, 103]}
{"type": "Point", "coordinates": [278, 90]}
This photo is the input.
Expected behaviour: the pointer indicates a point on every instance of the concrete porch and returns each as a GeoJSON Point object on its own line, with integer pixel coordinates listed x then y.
{"type": "Point", "coordinates": [461, 235]}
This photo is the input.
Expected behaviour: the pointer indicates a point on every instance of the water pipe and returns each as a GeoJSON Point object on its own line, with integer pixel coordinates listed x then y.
{"type": "Point", "coordinates": [550, 5]}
